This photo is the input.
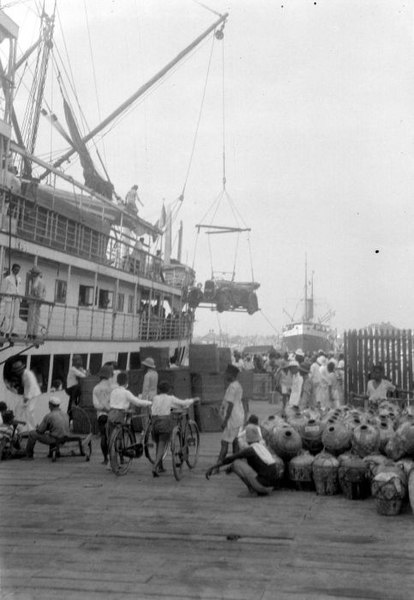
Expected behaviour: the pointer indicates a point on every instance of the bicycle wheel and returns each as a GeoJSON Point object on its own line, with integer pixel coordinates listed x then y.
{"type": "Point", "coordinates": [177, 453]}
{"type": "Point", "coordinates": [149, 443]}
{"type": "Point", "coordinates": [121, 450]}
{"type": "Point", "coordinates": [191, 443]}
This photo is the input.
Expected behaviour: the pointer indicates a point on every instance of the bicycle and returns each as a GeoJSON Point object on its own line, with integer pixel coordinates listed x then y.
{"type": "Point", "coordinates": [185, 443]}
{"type": "Point", "coordinates": [127, 442]}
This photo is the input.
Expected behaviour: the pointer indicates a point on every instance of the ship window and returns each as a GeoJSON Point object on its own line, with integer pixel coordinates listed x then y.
{"type": "Point", "coordinates": [60, 291]}
{"type": "Point", "coordinates": [130, 304]}
{"type": "Point", "coordinates": [134, 361]}
{"type": "Point", "coordinates": [122, 360]}
{"type": "Point", "coordinates": [120, 301]}
{"type": "Point", "coordinates": [95, 363]}
{"type": "Point", "coordinates": [85, 295]}
{"type": "Point", "coordinates": [105, 299]}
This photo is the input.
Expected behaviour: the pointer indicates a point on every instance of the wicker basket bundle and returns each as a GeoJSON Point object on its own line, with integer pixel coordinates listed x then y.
{"type": "Point", "coordinates": [389, 489]}
{"type": "Point", "coordinates": [365, 440]}
{"type": "Point", "coordinates": [336, 438]}
{"type": "Point", "coordinates": [285, 441]}
{"type": "Point", "coordinates": [374, 462]}
{"type": "Point", "coordinates": [325, 474]}
{"type": "Point", "coordinates": [386, 431]}
{"type": "Point", "coordinates": [311, 433]}
{"type": "Point", "coordinates": [300, 471]}
{"type": "Point", "coordinates": [353, 477]}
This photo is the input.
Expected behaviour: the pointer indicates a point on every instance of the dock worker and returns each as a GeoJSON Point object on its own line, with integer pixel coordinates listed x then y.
{"type": "Point", "coordinates": [231, 412]}
{"type": "Point", "coordinates": [150, 383]}
{"type": "Point", "coordinates": [162, 421]}
{"type": "Point", "coordinates": [55, 426]}
{"type": "Point", "coordinates": [255, 465]}
{"type": "Point", "coordinates": [131, 200]}
{"type": "Point", "coordinates": [25, 407]}
{"type": "Point", "coordinates": [378, 387]}
{"type": "Point", "coordinates": [101, 395]}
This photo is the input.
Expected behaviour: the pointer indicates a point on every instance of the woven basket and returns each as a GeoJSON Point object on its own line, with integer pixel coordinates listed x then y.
{"type": "Point", "coordinates": [353, 478]}
{"type": "Point", "coordinates": [300, 472]}
{"type": "Point", "coordinates": [389, 494]}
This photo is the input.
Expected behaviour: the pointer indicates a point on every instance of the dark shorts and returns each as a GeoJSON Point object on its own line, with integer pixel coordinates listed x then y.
{"type": "Point", "coordinates": [162, 424]}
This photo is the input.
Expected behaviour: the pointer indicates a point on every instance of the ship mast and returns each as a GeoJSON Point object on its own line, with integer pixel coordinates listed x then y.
{"type": "Point", "coordinates": [221, 21]}
{"type": "Point", "coordinates": [32, 116]}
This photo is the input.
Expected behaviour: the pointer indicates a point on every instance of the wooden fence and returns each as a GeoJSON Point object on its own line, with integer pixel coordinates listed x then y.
{"type": "Point", "coordinates": [365, 348]}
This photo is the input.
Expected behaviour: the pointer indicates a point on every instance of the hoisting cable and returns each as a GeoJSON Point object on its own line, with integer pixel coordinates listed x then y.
{"type": "Point", "coordinates": [235, 256]}
{"type": "Point", "coordinates": [94, 80]}
{"type": "Point", "coordinates": [268, 320]}
{"type": "Point", "coordinates": [223, 117]}
{"type": "Point", "coordinates": [181, 197]}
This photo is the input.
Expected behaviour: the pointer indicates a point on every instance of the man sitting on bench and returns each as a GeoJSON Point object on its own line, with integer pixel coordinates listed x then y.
{"type": "Point", "coordinates": [53, 428]}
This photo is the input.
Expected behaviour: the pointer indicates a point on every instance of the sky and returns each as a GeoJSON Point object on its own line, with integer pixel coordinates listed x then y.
{"type": "Point", "coordinates": [317, 118]}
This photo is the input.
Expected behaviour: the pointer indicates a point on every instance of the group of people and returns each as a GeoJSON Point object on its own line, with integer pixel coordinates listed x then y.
{"type": "Point", "coordinates": [12, 309]}
{"type": "Point", "coordinates": [111, 402]}
{"type": "Point", "coordinates": [300, 379]}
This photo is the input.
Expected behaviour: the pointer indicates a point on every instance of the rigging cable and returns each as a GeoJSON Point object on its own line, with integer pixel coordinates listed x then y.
{"type": "Point", "coordinates": [94, 73]}
{"type": "Point", "coordinates": [268, 320]}
{"type": "Point", "coordinates": [198, 120]}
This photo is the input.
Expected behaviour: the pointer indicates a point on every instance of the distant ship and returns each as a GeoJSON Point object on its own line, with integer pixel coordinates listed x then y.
{"type": "Point", "coordinates": [308, 333]}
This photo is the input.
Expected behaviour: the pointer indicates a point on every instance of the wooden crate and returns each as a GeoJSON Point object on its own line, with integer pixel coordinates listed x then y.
{"type": "Point", "coordinates": [208, 387]}
{"type": "Point", "coordinates": [161, 355]}
{"type": "Point", "coordinates": [204, 358]}
{"type": "Point", "coordinates": [208, 417]}
{"type": "Point", "coordinates": [180, 381]}
{"type": "Point", "coordinates": [224, 358]}
{"type": "Point", "coordinates": [245, 378]}
{"type": "Point", "coordinates": [135, 381]}
{"type": "Point", "coordinates": [86, 388]}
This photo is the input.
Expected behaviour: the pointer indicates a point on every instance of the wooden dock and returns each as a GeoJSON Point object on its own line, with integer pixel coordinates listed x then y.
{"type": "Point", "coordinates": [73, 530]}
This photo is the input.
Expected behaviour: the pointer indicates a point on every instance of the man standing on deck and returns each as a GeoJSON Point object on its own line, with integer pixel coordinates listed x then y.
{"type": "Point", "coordinates": [131, 200]}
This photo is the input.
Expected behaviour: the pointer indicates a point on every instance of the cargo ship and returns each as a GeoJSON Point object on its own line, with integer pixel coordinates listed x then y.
{"type": "Point", "coordinates": [108, 291]}
{"type": "Point", "coordinates": [309, 333]}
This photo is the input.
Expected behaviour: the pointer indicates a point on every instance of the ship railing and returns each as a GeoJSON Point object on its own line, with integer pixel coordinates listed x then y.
{"type": "Point", "coordinates": [160, 328]}
{"type": "Point", "coordinates": [24, 319]}
{"type": "Point", "coordinates": [30, 221]}
{"type": "Point", "coordinates": [89, 323]}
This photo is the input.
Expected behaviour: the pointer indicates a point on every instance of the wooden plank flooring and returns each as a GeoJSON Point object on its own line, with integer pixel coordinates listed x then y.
{"type": "Point", "coordinates": [72, 530]}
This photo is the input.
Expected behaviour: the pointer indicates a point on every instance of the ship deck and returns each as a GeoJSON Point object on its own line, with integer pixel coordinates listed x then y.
{"type": "Point", "coordinates": [73, 530]}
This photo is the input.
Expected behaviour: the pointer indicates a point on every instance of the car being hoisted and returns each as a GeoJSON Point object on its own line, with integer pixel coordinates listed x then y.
{"type": "Point", "coordinates": [226, 295]}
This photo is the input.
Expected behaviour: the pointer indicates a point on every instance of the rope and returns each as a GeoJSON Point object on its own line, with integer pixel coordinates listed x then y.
{"type": "Point", "coordinates": [223, 118]}
{"type": "Point", "coordinates": [211, 257]}
{"type": "Point", "coordinates": [268, 320]}
{"type": "Point", "coordinates": [199, 119]}
{"type": "Point", "coordinates": [235, 256]}
{"type": "Point", "coordinates": [93, 70]}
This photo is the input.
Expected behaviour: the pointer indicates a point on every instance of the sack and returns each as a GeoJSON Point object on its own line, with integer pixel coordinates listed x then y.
{"type": "Point", "coordinates": [24, 309]}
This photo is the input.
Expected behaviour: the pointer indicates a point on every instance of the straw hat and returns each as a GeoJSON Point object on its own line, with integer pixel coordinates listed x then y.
{"type": "Point", "coordinates": [35, 270]}
{"type": "Point", "coordinates": [149, 362]}
{"type": "Point", "coordinates": [54, 400]}
{"type": "Point", "coordinates": [293, 363]}
{"type": "Point", "coordinates": [299, 352]}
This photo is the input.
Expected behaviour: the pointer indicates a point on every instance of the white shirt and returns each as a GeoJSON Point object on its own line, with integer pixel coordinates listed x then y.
{"type": "Point", "coordinates": [31, 387]}
{"type": "Point", "coordinates": [297, 382]}
{"type": "Point", "coordinates": [121, 398]}
{"type": "Point", "coordinates": [379, 391]}
{"type": "Point", "coordinates": [101, 396]}
{"type": "Point", "coordinates": [163, 403]}
{"type": "Point", "coordinates": [73, 373]}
